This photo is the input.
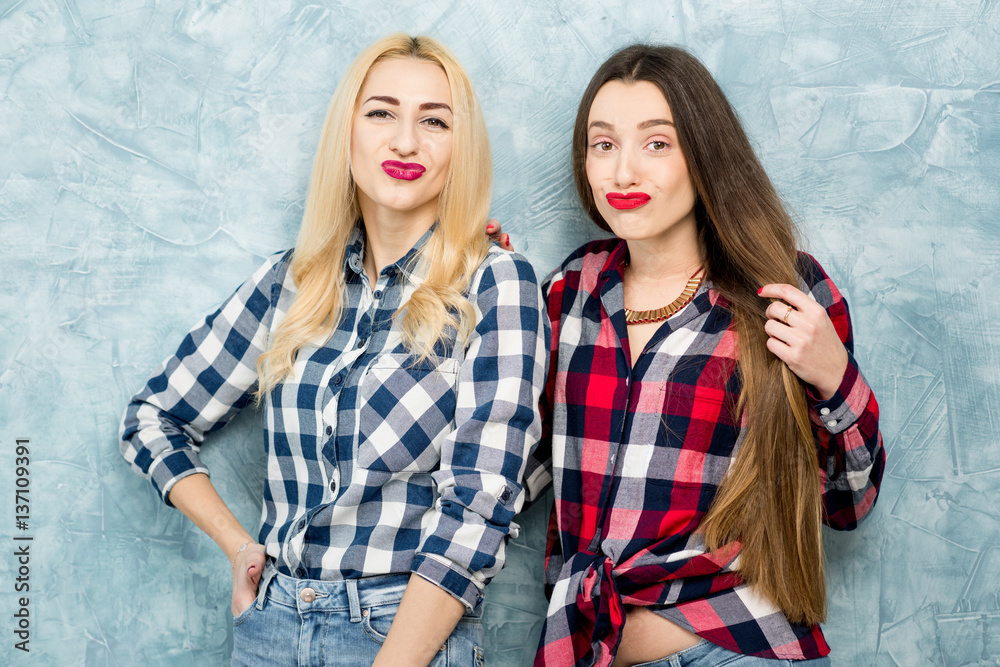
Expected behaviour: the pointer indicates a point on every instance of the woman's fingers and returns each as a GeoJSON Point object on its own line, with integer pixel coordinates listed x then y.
{"type": "Point", "coordinates": [494, 230]}
{"type": "Point", "coordinates": [801, 334]}
{"type": "Point", "coordinates": [798, 299]}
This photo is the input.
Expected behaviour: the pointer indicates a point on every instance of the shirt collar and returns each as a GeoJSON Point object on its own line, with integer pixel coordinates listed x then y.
{"type": "Point", "coordinates": [616, 260]}
{"type": "Point", "coordinates": [412, 267]}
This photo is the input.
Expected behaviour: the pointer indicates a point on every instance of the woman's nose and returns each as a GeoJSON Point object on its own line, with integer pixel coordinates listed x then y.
{"type": "Point", "coordinates": [625, 171]}
{"type": "Point", "coordinates": [404, 140]}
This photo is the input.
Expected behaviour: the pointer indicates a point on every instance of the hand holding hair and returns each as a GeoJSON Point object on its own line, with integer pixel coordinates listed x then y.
{"type": "Point", "coordinates": [802, 335]}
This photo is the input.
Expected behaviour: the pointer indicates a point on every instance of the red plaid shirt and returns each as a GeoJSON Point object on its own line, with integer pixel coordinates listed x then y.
{"type": "Point", "coordinates": [638, 453]}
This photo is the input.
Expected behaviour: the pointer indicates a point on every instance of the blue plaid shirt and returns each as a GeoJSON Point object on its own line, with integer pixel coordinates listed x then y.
{"type": "Point", "coordinates": [376, 463]}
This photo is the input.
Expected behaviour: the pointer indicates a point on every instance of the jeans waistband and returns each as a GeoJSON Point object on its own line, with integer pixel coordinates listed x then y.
{"type": "Point", "coordinates": [342, 595]}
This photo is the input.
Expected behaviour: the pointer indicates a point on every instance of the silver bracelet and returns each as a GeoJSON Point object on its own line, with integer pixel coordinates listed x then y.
{"type": "Point", "coordinates": [242, 549]}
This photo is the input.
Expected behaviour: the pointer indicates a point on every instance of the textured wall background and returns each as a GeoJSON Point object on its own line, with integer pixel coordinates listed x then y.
{"type": "Point", "coordinates": [152, 153]}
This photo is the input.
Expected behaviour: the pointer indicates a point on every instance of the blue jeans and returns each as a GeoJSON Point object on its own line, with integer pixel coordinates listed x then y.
{"type": "Point", "coordinates": [330, 623]}
{"type": "Point", "coordinates": [707, 654]}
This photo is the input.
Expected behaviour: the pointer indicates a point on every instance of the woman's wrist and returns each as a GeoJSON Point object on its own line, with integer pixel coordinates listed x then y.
{"type": "Point", "coordinates": [241, 549]}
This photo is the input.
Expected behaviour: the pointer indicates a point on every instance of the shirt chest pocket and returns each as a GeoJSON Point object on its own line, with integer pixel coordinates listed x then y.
{"type": "Point", "coordinates": [697, 434]}
{"type": "Point", "coordinates": [407, 410]}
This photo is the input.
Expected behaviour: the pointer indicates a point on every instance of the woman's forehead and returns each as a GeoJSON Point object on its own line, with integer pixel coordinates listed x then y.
{"type": "Point", "coordinates": [623, 104]}
{"type": "Point", "coordinates": [412, 78]}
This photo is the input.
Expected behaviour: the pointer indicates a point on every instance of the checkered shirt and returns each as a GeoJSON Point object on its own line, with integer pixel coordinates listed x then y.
{"type": "Point", "coordinates": [376, 463]}
{"type": "Point", "coordinates": [637, 455]}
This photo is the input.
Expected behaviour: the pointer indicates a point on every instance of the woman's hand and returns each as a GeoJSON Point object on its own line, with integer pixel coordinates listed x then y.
{"type": "Point", "coordinates": [802, 335]}
{"type": "Point", "coordinates": [494, 231]}
{"type": "Point", "coordinates": [247, 568]}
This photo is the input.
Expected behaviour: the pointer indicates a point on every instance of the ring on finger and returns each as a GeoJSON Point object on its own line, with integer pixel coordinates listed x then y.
{"type": "Point", "coordinates": [784, 319]}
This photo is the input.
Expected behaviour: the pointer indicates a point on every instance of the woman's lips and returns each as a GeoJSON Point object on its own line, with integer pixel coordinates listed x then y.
{"type": "Point", "coordinates": [404, 171]}
{"type": "Point", "coordinates": [629, 200]}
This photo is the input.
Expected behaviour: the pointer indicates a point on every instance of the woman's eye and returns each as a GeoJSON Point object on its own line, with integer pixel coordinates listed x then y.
{"type": "Point", "coordinates": [658, 145]}
{"type": "Point", "coordinates": [437, 122]}
{"type": "Point", "coordinates": [377, 113]}
{"type": "Point", "coordinates": [602, 146]}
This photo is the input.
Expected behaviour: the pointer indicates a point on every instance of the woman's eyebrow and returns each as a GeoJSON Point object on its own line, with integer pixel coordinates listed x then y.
{"type": "Point", "coordinates": [395, 102]}
{"type": "Point", "coordinates": [434, 105]}
{"type": "Point", "coordinates": [382, 98]}
{"type": "Point", "coordinates": [646, 124]}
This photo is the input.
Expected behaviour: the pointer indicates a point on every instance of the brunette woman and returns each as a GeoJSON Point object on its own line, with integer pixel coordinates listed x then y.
{"type": "Point", "coordinates": [707, 414]}
{"type": "Point", "coordinates": [399, 358]}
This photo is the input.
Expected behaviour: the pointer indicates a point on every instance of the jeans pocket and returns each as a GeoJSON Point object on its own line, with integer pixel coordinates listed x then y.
{"type": "Point", "coordinates": [245, 614]}
{"type": "Point", "coordinates": [377, 620]}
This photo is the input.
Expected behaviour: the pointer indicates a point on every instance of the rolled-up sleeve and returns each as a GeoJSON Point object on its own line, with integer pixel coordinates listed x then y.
{"type": "Point", "coordinates": [463, 541]}
{"type": "Point", "coordinates": [202, 386]}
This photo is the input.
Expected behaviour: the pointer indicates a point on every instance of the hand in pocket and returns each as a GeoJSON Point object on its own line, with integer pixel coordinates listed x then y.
{"type": "Point", "coordinates": [247, 570]}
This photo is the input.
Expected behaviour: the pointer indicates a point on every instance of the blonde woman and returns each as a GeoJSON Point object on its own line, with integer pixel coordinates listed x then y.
{"type": "Point", "coordinates": [399, 358]}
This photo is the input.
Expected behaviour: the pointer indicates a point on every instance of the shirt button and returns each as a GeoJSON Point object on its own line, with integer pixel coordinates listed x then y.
{"type": "Point", "coordinates": [337, 380]}
{"type": "Point", "coordinates": [824, 411]}
{"type": "Point", "coordinates": [832, 423]}
{"type": "Point", "coordinates": [361, 343]}
{"type": "Point", "coordinates": [307, 595]}
{"type": "Point", "coordinates": [300, 573]}
{"type": "Point", "coordinates": [378, 294]}
{"type": "Point", "coordinates": [329, 430]}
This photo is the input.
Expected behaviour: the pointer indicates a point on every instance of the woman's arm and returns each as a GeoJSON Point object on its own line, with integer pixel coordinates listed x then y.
{"type": "Point", "coordinates": [815, 339]}
{"type": "Point", "coordinates": [462, 546]}
{"type": "Point", "coordinates": [197, 499]}
{"type": "Point", "coordinates": [202, 386]}
{"type": "Point", "coordinates": [425, 619]}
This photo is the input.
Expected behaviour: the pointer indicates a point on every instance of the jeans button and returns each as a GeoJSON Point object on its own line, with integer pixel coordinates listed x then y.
{"type": "Point", "coordinates": [307, 595]}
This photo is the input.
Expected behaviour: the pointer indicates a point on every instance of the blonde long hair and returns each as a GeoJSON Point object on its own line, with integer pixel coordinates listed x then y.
{"type": "Point", "coordinates": [770, 499]}
{"type": "Point", "coordinates": [458, 244]}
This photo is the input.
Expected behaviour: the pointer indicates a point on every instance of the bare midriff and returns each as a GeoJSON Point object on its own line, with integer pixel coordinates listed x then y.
{"type": "Point", "coordinates": [648, 636]}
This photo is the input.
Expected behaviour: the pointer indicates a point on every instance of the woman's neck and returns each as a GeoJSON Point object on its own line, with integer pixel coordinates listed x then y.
{"type": "Point", "coordinates": [388, 238]}
{"type": "Point", "coordinates": [661, 263]}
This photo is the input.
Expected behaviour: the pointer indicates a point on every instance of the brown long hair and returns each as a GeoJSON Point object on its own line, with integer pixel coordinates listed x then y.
{"type": "Point", "coordinates": [770, 498]}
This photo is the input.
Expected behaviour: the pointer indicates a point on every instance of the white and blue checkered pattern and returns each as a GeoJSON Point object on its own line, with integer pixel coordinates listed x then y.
{"type": "Point", "coordinates": [376, 463]}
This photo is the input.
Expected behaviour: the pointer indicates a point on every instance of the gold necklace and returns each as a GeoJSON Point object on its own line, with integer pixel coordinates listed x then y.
{"type": "Point", "coordinates": [660, 314]}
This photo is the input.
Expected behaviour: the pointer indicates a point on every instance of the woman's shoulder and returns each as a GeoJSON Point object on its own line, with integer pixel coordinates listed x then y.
{"type": "Point", "coordinates": [270, 284]}
{"type": "Point", "coordinates": [500, 266]}
{"type": "Point", "coordinates": [590, 257]}
{"type": "Point", "coordinates": [274, 269]}
{"type": "Point", "coordinates": [815, 281]}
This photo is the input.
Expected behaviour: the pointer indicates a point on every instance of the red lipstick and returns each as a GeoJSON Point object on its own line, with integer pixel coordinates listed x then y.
{"type": "Point", "coordinates": [628, 200]}
{"type": "Point", "coordinates": [404, 171]}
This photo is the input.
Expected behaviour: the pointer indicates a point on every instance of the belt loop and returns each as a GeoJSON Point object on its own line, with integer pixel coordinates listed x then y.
{"type": "Point", "coordinates": [265, 581]}
{"type": "Point", "coordinates": [353, 600]}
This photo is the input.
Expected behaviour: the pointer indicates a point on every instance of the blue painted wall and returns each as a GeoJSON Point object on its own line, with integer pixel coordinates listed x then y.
{"type": "Point", "coordinates": [152, 153]}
